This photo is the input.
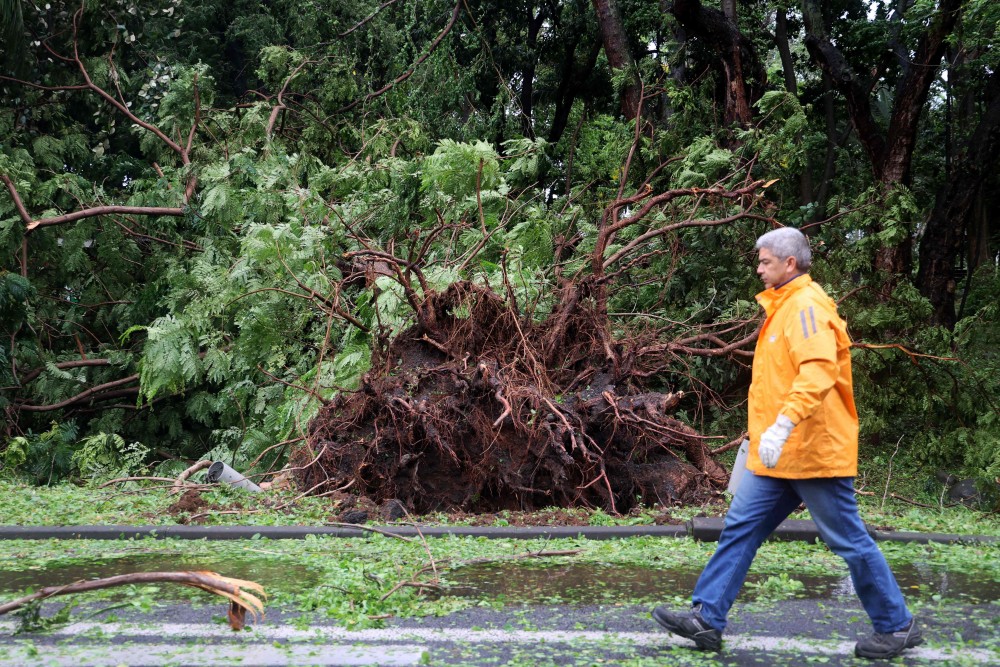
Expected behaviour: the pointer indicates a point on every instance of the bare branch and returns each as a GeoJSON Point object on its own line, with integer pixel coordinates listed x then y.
{"type": "Point", "coordinates": [105, 210]}
{"type": "Point", "coordinates": [112, 101]}
{"type": "Point", "coordinates": [182, 151]}
{"type": "Point", "coordinates": [181, 478]}
{"type": "Point", "coordinates": [233, 589]}
{"type": "Point", "coordinates": [653, 233]}
{"type": "Point", "coordinates": [37, 86]}
{"type": "Point", "coordinates": [187, 245]}
{"type": "Point", "coordinates": [18, 204]}
{"type": "Point", "coordinates": [608, 231]}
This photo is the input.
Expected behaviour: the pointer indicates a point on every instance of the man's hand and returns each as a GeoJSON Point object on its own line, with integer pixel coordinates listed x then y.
{"type": "Point", "coordinates": [773, 440]}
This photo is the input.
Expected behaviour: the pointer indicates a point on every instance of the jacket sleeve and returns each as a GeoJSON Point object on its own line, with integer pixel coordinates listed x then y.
{"type": "Point", "coordinates": [812, 343]}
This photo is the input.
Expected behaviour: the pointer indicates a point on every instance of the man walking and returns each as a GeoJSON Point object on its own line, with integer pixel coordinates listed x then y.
{"type": "Point", "coordinates": [803, 448]}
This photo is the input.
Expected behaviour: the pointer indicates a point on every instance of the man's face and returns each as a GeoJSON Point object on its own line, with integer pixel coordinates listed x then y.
{"type": "Point", "coordinates": [774, 271]}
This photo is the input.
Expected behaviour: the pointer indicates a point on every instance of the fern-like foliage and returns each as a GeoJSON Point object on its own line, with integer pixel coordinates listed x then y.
{"type": "Point", "coordinates": [43, 457]}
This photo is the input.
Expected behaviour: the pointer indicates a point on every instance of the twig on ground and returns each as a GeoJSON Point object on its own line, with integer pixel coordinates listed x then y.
{"type": "Point", "coordinates": [369, 529]}
{"type": "Point", "coordinates": [119, 480]}
{"type": "Point", "coordinates": [234, 590]}
{"type": "Point", "coordinates": [919, 504]}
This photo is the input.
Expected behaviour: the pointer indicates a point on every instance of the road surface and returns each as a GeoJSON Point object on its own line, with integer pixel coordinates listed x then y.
{"type": "Point", "coordinates": [791, 632]}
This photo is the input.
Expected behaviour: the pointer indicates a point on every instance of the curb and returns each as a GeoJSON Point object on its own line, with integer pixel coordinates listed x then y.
{"type": "Point", "coordinates": [301, 532]}
{"type": "Point", "coordinates": [705, 529]}
{"type": "Point", "coordinates": [708, 529]}
{"type": "Point", "coordinates": [928, 538]}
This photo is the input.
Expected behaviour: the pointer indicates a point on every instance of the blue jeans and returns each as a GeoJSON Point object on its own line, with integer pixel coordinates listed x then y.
{"type": "Point", "coordinates": [760, 504]}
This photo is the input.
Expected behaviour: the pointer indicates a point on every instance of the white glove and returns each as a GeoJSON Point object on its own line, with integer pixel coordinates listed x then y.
{"type": "Point", "coordinates": [773, 440]}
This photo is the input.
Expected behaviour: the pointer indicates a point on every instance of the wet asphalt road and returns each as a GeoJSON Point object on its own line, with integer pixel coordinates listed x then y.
{"type": "Point", "coordinates": [791, 632]}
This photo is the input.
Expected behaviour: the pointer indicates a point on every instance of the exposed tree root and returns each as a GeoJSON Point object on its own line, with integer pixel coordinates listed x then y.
{"type": "Point", "coordinates": [480, 409]}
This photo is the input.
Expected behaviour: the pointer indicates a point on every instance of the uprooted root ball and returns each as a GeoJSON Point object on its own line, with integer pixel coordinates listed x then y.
{"type": "Point", "coordinates": [469, 412]}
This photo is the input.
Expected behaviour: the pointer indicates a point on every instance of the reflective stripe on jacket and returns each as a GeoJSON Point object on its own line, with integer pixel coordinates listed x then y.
{"type": "Point", "coordinates": [802, 369]}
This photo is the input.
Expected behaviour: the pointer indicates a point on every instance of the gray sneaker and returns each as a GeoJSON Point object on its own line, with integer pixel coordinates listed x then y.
{"type": "Point", "coordinates": [889, 644]}
{"type": "Point", "coordinates": [690, 625]}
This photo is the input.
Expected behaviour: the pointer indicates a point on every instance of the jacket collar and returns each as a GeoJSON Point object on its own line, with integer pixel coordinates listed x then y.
{"type": "Point", "coordinates": [771, 299]}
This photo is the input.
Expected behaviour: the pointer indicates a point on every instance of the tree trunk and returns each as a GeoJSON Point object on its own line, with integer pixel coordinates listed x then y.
{"type": "Point", "coordinates": [729, 9]}
{"type": "Point", "coordinates": [784, 50]}
{"type": "Point", "coordinates": [743, 75]}
{"type": "Point", "coordinates": [791, 86]}
{"type": "Point", "coordinates": [913, 91]}
{"type": "Point", "coordinates": [855, 92]}
{"type": "Point", "coordinates": [570, 82]}
{"type": "Point", "coordinates": [979, 235]}
{"type": "Point", "coordinates": [890, 153]}
{"type": "Point", "coordinates": [528, 74]}
{"type": "Point", "coordinates": [941, 245]}
{"type": "Point", "coordinates": [678, 67]}
{"type": "Point", "coordinates": [616, 48]}
{"type": "Point", "coordinates": [833, 142]}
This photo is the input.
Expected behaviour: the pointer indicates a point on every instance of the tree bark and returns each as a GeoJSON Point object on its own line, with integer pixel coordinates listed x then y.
{"type": "Point", "coordinates": [914, 89]}
{"type": "Point", "coordinates": [615, 41]}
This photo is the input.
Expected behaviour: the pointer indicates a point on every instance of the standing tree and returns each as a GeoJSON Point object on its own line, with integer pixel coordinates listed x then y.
{"type": "Point", "coordinates": [890, 150]}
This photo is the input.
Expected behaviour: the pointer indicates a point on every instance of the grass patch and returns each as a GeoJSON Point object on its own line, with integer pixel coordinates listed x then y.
{"type": "Point", "coordinates": [68, 504]}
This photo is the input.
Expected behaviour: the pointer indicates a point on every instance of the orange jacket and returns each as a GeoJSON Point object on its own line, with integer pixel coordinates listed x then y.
{"type": "Point", "coordinates": [802, 369]}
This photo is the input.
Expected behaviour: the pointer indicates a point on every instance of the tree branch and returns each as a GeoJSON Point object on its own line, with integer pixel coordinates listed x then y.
{"type": "Point", "coordinates": [62, 365]}
{"type": "Point", "coordinates": [18, 204]}
{"type": "Point", "coordinates": [233, 589]}
{"type": "Point", "coordinates": [280, 106]}
{"type": "Point", "coordinates": [82, 396]}
{"type": "Point", "coordinates": [181, 478]}
{"type": "Point", "coordinates": [608, 231]}
{"type": "Point", "coordinates": [182, 151]}
{"type": "Point", "coordinates": [368, 18]}
{"type": "Point", "coordinates": [104, 210]}
{"type": "Point", "coordinates": [103, 94]}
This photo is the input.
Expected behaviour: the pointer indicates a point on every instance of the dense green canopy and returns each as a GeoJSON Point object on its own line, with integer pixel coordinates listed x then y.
{"type": "Point", "coordinates": [218, 215]}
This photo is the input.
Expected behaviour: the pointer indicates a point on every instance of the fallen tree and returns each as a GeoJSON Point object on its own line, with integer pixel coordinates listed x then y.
{"type": "Point", "coordinates": [481, 407]}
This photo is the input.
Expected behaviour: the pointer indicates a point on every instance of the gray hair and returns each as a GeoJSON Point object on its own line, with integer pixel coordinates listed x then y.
{"type": "Point", "coordinates": [786, 242]}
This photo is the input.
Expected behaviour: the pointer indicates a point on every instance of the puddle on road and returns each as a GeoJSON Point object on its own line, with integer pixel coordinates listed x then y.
{"type": "Point", "coordinates": [596, 584]}
{"type": "Point", "coordinates": [570, 583]}
{"type": "Point", "coordinates": [276, 575]}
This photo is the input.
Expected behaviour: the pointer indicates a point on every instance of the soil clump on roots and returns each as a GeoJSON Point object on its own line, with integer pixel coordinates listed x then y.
{"type": "Point", "coordinates": [480, 409]}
